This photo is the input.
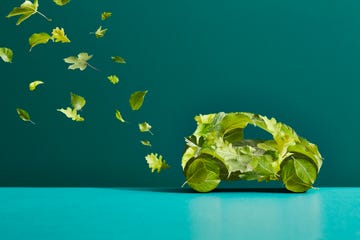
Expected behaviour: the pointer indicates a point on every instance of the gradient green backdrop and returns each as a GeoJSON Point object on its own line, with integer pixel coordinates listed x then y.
{"type": "Point", "coordinates": [297, 61]}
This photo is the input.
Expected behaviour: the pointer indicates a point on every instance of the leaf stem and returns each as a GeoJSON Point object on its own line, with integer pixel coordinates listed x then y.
{"type": "Point", "coordinates": [92, 67]}
{"type": "Point", "coordinates": [43, 15]}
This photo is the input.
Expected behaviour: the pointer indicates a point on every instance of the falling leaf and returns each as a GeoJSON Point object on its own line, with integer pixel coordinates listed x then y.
{"type": "Point", "coordinates": [58, 35]}
{"type": "Point", "coordinates": [146, 143]}
{"type": "Point", "coordinates": [26, 10]}
{"type": "Point", "coordinates": [118, 116]}
{"type": "Point", "coordinates": [79, 62]}
{"type": "Point", "coordinates": [136, 99]}
{"type": "Point", "coordinates": [6, 54]}
{"type": "Point", "coordinates": [99, 33]}
{"type": "Point", "coordinates": [61, 2]}
{"type": "Point", "coordinates": [145, 127]}
{"type": "Point", "coordinates": [113, 79]}
{"type": "Point", "coordinates": [24, 115]}
{"type": "Point", "coordinates": [71, 113]}
{"type": "Point", "coordinates": [78, 102]}
{"type": "Point", "coordinates": [38, 38]}
{"type": "Point", "coordinates": [118, 59]}
{"type": "Point", "coordinates": [34, 84]}
{"type": "Point", "coordinates": [105, 15]}
{"type": "Point", "coordinates": [155, 162]}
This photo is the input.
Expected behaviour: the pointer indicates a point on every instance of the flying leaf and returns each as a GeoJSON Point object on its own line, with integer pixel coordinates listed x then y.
{"type": "Point", "coordinates": [113, 79]}
{"type": "Point", "coordinates": [105, 15]}
{"type": "Point", "coordinates": [61, 2]}
{"type": "Point", "coordinates": [146, 143]}
{"type": "Point", "coordinates": [155, 162]}
{"type": "Point", "coordinates": [145, 127]}
{"type": "Point", "coordinates": [34, 84]}
{"type": "Point", "coordinates": [136, 99]}
{"type": "Point", "coordinates": [118, 59]}
{"type": "Point", "coordinates": [118, 116]}
{"type": "Point", "coordinates": [71, 113]}
{"type": "Point", "coordinates": [58, 35]}
{"type": "Point", "coordinates": [26, 10]}
{"type": "Point", "coordinates": [6, 54]}
{"type": "Point", "coordinates": [24, 115]}
{"type": "Point", "coordinates": [78, 102]}
{"type": "Point", "coordinates": [38, 38]}
{"type": "Point", "coordinates": [79, 62]}
{"type": "Point", "coordinates": [99, 33]}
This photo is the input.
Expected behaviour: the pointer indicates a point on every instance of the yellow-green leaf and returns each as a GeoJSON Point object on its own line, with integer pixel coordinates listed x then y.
{"type": "Point", "coordinates": [58, 35]}
{"type": "Point", "coordinates": [6, 54]}
{"type": "Point", "coordinates": [78, 102]}
{"type": "Point", "coordinates": [61, 2]}
{"type": "Point", "coordinates": [118, 59]}
{"type": "Point", "coordinates": [119, 116]}
{"type": "Point", "coordinates": [71, 113]}
{"type": "Point", "coordinates": [113, 79]}
{"type": "Point", "coordinates": [146, 143]}
{"type": "Point", "coordinates": [105, 15]}
{"type": "Point", "coordinates": [38, 38]}
{"type": "Point", "coordinates": [137, 99]}
{"type": "Point", "coordinates": [34, 84]}
{"type": "Point", "coordinates": [100, 32]}
{"type": "Point", "coordinates": [26, 10]}
{"type": "Point", "coordinates": [24, 115]}
{"type": "Point", "coordinates": [79, 62]}
{"type": "Point", "coordinates": [145, 127]}
{"type": "Point", "coordinates": [156, 162]}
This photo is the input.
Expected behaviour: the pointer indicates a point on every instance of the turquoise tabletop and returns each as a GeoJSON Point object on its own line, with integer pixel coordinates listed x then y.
{"type": "Point", "coordinates": [147, 213]}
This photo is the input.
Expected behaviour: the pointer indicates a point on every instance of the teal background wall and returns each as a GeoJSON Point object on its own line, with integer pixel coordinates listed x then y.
{"type": "Point", "coordinates": [297, 61]}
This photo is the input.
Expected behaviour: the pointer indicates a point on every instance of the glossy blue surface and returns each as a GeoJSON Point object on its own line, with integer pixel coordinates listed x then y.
{"type": "Point", "coordinates": [108, 213]}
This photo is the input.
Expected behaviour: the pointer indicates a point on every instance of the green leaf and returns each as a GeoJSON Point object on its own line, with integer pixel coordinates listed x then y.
{"type": "Point", "coordinates": [145, 127]}
{"type": "Point", "coordinates": [6, 54]}
{"type": "Point", "coordinates": [77, 102]}
{"type": "Point", "coordinates": [118, 59]}
{"type": "Point", "coordinates": [26, 10]}
{"type": "Point", "coordinates": [58, 35]}
{"type": "Point", "coordinates": [146, 143]}
{"type": "Point", "coordinates": [24, 115]}
{"type": "Point", "coordinates": [79, 62]}
{"type": "Point", "coordinates": [34, 84]}
{"type": "Point", "coordinates": [38, 38]}
{"type": "Point", "coordinates": [99, 33]}
{"type": "Point", "coordinates": [113, 79]}
{"type": "Point", "coordinates": [105, 15]}
{"type": "Point", "coordinates": [155, 162]}
{"type": "Point", "coordinates": [61, 2]}
{"type": "Point", "coordinates": [119, 116]}
{"type": "Point", "coordinates": [203, 175]}
{"type": "Point", "coordinates": [71, 113]}
{"type": "Point", "coordinates": [137, 99]}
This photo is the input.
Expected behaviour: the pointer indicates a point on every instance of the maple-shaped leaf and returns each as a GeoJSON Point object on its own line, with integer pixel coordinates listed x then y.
{"type": "Point", "coordinates": [118, 59]}
{"type": "Point", "coordinates": [34, 84]}
{"type": "Point", "coordinates": [24, 115]}
{"type": "Point", "coordinates": [61, 2]}
{"type": "Point", "coordinates": [113, 79]}
{"type": "Point", "coordinates": [79, 62]}
{"type": "Point", "coordinates": [105, 15]}
{"type": "Point", "coordinates": [71, 113]}
{"type": "Point", "coordinates": [6, 54]}
{"type": "Point", "coordinates": [156, 162]}
{"type": "Point", "coordinates": [58, 35]}
{"type": "Point", "coordinates": [26, 10]}
{"type": "Point", "coordinates": [145, 127]}
{"type": "Point", "coordinates": [99, 33]}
